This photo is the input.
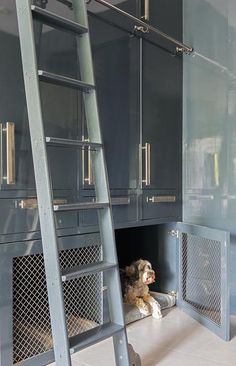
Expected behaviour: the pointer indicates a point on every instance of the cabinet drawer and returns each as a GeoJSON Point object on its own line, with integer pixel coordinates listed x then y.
{"type": "Point", "coordinates": [161, 205]}
{"type": "Point", "coordinates": [20, 215]}
{"type": "Point", "coordinates": [124, 209]}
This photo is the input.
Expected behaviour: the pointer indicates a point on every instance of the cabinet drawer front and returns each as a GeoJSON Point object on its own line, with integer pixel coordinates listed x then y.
{"type": "Point", "coordinates": [20, 215]}
{"type": "Point", "coordinates": [124, 209]}
{"type": "Point", "coordinates": [161, 205]}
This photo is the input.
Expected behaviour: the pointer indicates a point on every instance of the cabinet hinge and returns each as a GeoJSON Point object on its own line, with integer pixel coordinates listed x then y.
{"type": "Point", "coordinates": [174, 233]}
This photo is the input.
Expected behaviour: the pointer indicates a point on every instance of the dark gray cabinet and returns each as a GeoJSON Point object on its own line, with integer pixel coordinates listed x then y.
{"type": "Point", "coordinates": [59, 107]}
{"type": "Point", "coordinates": [13, 109]}
{"type": "Point", "coordinates": [161, 117]}
{"type": "Point", "coordinates": [142, 150]}
{"type": "Point", "coordinates": [116, 73]}
{"type": "Point", "coordinates": [19, 215]}
{"type": "Point", "coordinates": [118, 65]}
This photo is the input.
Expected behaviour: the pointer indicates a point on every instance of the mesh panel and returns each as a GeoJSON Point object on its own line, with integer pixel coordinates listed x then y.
{"type": "Point", "coordinates": [31, 319]}
{"type": "Point", "coordinates": [201, 275]}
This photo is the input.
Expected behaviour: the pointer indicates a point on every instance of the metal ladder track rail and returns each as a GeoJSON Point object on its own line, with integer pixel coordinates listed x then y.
{"type": "Point", "coordinates": [45, 200]}
{"type": "Point", "coordinates": [43, 185]}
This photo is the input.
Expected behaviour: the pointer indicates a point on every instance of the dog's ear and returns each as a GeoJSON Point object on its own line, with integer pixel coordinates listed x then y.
{"type": "Point", "coordinates": [130, 270]}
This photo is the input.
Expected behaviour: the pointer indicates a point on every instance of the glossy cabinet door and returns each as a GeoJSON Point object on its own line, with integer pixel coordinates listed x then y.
{"type": "Point", "coordinates": [116, 67]}
{"type": "Point", "coordinates": [19, 215]}
{"type": "Point", "coordinates": [116, 71]}
{"type": "Point", "coordinates": [59, 104]}
{"type": "Point", "coordinates": [162, 115]}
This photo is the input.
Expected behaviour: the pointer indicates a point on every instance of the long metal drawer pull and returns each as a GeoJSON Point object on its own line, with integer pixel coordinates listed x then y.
{"type": "Point", "coordinates": [10, 146]}
{"type": "Point", "coordinates": [147, 149]}
{"type": "Point", "coordinates": [146, 10]}
{"type": "Point", "coordinates": [161, 199]}
{"type": "Point", "coordinates": [32, 203]}
{"type": "Point", "coordinates": [1, 153]}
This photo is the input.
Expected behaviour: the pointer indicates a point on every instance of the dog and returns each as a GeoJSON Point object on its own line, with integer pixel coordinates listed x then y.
{"type": "Point", "coordinates": [135, 280]}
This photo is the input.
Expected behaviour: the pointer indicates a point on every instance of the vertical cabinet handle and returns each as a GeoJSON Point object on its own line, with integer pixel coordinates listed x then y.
{"type": "Point", "coordinates": [90, 170]}
{"type": "Point", "coordinates": [10, 152]}
{"type": "Point", "coordinates": [147, 150]}
{"type": "Point", "coordinates": [146, 5]}
{"type": "Point", "coordinates": [1, 153]}
{"type": "Point", "coordinates": [216, 169]}
{"type": "Point", "coordinates": [87, 173]}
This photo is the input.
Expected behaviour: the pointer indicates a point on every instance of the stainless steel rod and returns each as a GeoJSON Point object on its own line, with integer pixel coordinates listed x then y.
{"type": "Point", "coordinates": [182, 47]}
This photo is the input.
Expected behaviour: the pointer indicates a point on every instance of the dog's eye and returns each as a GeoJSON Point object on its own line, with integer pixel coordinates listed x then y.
{"type": "Point", "coordinates": [148, 266]}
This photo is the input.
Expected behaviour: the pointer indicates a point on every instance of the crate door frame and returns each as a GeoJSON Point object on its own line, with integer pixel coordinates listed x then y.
{"type": "Point", "coordinates": [207, 235]}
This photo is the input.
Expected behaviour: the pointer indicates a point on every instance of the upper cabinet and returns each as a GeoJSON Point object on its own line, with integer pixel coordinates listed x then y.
{"type": "Point", "coordinates": [59, 105]}
{"type": "Point", "coordinates": [161, 118]}
{"type": "Point", "coordinates": [116, 70]}
{"type": "Point", "coordinates": [16, 162]}
{"type": "Point", "coordinates": [139, 91]}
{"type": "Point", "coordinates": [18, 208]}
{"type": "Point", "coordinates": [161, 83]}
{"type": "Point", "coordinates": [116, 67]}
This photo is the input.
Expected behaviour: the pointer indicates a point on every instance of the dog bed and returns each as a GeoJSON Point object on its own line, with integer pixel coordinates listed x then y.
{"type": "Point", "coordinates": [132, 313]}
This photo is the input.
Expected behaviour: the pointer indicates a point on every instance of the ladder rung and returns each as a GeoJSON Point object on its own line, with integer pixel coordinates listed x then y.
{"type": "Point", "coordinates": [81, 206]}
{"type": "Point", "coordinates": [94, 336]}
{"type": "Point", "coordinates": [49, 77]}
{"type": "Point", "coordinates": [55, 20]}
{"type": "Point", "coordinates": [86, 269]}
{"type": "Point", "coordinates": [75, 143]}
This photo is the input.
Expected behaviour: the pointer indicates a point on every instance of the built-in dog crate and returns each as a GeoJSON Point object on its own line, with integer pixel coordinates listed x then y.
{"type": "Point", "coordinates": [189, 260]}
{"type": "Point", "coordinates": [193, 264]}
{"type": "Point", "coordinates": [24, 299]}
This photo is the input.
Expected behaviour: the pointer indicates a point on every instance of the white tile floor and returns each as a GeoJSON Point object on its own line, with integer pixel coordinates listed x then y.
{"type": "Point", "coordinates": [174, 340]}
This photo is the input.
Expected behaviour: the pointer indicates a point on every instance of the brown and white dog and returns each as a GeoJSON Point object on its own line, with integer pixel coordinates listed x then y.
{"type": "Point", "coordinates": [135, 280]}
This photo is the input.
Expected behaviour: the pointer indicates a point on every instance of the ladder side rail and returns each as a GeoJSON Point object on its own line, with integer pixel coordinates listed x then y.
{"type": "Point", "coordinates": [92, 117]}
{"type": "Point", "coordinates": [101, 187]}
{"type": "Point", "coordinates": [43, 185]}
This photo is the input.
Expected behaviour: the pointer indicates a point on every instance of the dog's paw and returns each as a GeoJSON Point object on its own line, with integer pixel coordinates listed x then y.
{"type": "Point", "coordinates": [144, 310]}
{"type": "Point", "coordinates": [157, 314]}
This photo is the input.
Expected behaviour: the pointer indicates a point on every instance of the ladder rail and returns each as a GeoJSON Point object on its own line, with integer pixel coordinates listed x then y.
{"type": "Point", "coordinates": [53, 272]}
{"type": "Point", "coordinates": [101, 187]}
{"type": "Point", "coordinates": [43, 184]}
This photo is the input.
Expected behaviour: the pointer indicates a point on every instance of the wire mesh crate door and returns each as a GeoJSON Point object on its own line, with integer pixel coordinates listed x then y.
{"type": "Point", "coordinates": [201, 275]}
{"type": "Point", "coordinates": [31, 318]}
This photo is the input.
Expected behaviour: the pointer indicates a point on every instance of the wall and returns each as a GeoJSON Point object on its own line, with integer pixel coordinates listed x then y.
{"type": "Point", "coordinates": [209, 131]}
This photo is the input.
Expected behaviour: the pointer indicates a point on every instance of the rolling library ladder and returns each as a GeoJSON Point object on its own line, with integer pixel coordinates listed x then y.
{"type": "Point", "coordinates": [63, 346]}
